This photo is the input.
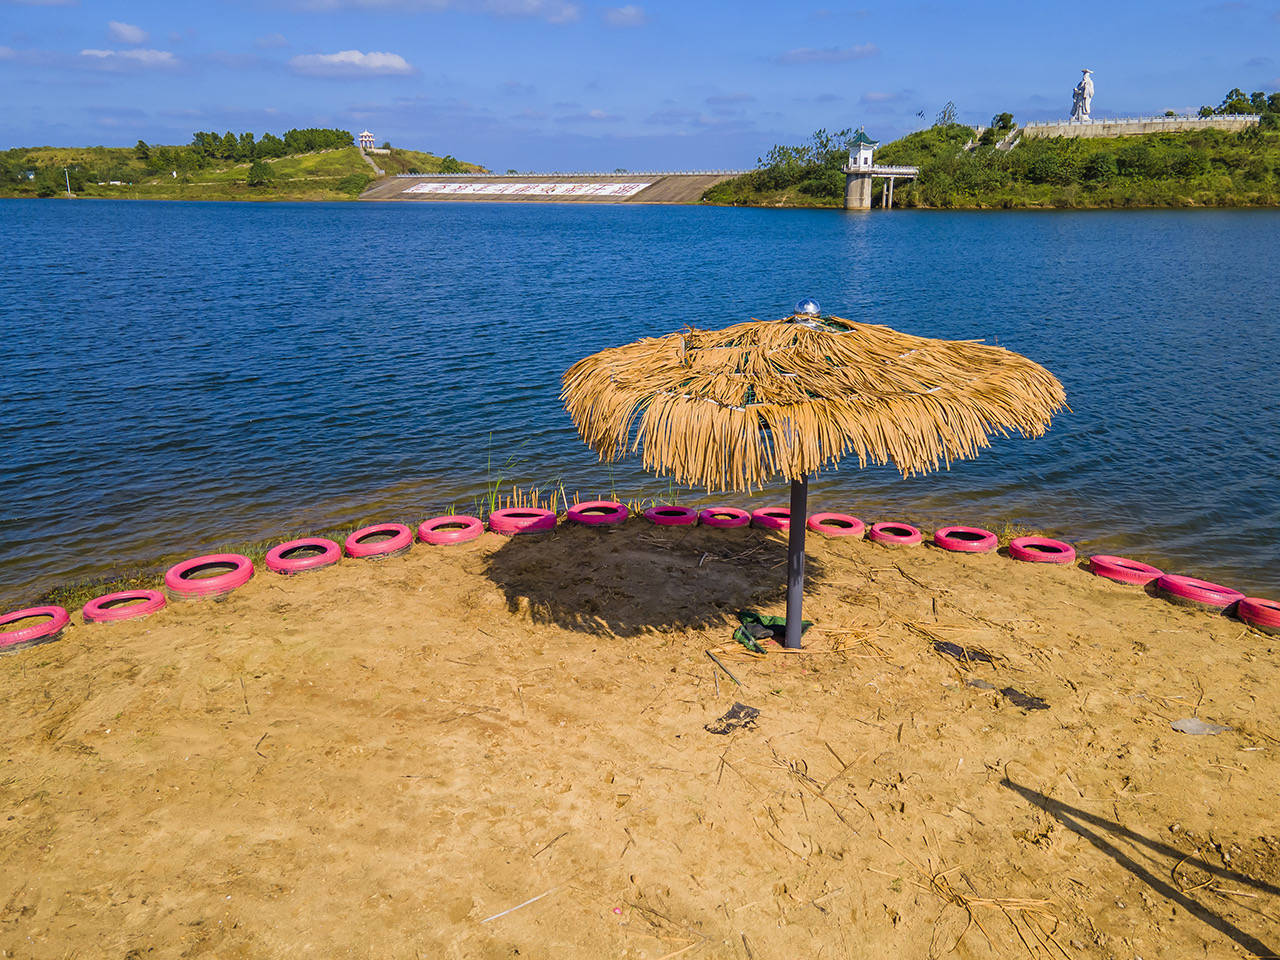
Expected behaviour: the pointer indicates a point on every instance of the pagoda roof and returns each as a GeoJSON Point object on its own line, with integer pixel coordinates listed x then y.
{"type": "Point", "coordinates": [861, 138]}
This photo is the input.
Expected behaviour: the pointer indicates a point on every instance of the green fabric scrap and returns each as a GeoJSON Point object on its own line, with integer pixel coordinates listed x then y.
{"type": "Point", "coordinates": [758, 626]}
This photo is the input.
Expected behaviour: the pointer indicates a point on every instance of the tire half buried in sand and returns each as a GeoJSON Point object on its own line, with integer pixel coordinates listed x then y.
{"type": "Point", "coordinates": [298, 556]}
{"type": "Point", "coordinates": [212, 575]}
{"type": "Point", "coordinates": [124, 605]}
{"type": "Point", "coordinates": [379, 541]}
{"type": "Point", "coordinates": [1190, 592]}
{"type": "Point", "coordinates": [455, 528]}
{"type": "Point", "coordinates": [33, 634]}
{"type": "Point", "coordinates": [515, 520]}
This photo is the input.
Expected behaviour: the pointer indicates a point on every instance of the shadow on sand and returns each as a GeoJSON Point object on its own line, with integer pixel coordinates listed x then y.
{"type": "Point", "coordinates": [638, 578]}
{"type": "Point", "coordinates": [1106, 835]}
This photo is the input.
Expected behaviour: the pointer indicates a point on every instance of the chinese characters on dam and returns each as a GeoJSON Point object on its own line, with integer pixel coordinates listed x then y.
{"type": "Point", "coordinates": [532, 189]}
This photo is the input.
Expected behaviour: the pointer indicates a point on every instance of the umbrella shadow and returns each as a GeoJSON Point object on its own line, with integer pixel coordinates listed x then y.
{"type": "Point", "coordinates": [1106, 835]}
{"type": "Point", "coordinates": [636, 578]}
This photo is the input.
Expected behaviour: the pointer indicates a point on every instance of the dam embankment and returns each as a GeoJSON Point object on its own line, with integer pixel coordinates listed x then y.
{"type": "Point", "coordinates": [551, 188]}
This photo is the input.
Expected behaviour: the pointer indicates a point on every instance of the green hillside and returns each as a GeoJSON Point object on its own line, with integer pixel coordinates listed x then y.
{"type": "Point", "coordinates": [188, 173]}
{"type": "Point", "coordinates": [961, 170]}
{"type": "Point", "coordinates": [1195, 168]}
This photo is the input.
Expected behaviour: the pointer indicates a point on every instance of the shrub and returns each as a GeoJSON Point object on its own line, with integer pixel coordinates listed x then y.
{"type": "Point", "coordinates": [259, 174]}
{"type": "Point", "coordinates": [1139, 160]}
{"type": "Point", "coordinates": [1052, 167]}
{"type": "Point", "coordinates": [1257, 168]}
{"type": "Point", "coordinates": [1188, 163]}
{"type": "Point", "coordinates": [1100, 167]}
{"type": "Point", "coordinates": [353, 184]}
{"type": "Point", "coordinates": [825, 183]}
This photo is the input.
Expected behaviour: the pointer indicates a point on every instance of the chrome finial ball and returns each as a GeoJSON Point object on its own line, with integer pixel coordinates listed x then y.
{"type": "Point", "coordinates": [808, 307]}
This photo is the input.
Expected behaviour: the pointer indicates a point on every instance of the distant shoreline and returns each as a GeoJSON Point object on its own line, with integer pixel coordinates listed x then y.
{"type": "Point", "coordinates": [975, 208]}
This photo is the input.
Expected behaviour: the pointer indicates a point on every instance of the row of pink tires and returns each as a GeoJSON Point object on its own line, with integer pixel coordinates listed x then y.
{"type": "Point", "coordinates": [216, 575]}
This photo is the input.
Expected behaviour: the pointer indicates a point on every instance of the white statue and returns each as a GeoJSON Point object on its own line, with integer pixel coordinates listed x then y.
{"type": "Point", "coordinates": [1082, 96]}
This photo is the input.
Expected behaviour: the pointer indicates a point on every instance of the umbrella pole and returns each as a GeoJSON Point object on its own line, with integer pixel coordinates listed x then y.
{"type": "Point", "coordinates": [795, 561]}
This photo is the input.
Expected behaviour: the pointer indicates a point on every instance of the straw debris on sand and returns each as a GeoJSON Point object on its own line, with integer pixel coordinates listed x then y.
{"type": "Point", "coordinates": [498, 750]}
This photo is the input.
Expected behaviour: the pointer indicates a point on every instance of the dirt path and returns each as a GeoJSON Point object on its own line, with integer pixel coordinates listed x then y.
{"type": "Point", "coordinates": [497, 750]}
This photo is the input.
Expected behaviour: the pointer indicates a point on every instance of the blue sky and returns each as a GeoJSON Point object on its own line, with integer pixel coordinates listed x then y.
{"type": "Point", "coordinates": [576, 84]}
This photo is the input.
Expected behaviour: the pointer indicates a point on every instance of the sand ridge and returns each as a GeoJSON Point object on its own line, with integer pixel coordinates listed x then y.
{"type": "Point", "coordinates": [383, 759]}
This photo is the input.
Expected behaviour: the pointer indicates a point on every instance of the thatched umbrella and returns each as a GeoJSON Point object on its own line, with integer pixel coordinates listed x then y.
{"type": "Point", "coordinates": [732, 409]}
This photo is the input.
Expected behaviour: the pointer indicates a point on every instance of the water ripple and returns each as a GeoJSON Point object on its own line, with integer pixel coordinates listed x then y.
{"type": "Point", "coordinates": [182, 375]}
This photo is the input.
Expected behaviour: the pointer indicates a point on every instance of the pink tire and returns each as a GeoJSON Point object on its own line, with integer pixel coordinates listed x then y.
{"type": "Point", "coordinates": [598, 513]}
{"type": "Point", "coordinates": [514, 520]}
{"type": "Point", "coordinates": [667, 516]}
{"type": "Point", "coordinates": [771, 518]}
{"type": "Point", "coordinates": [183, 586]}
{"type": "Point", "coordinates": [396, 538]}
{"type": "Point", "coordinates": [33, 634]}
{"type": "Point", "coordinates": [456, 528]}
{"type": "Point", "coordinates": [894, 534]}
{"type": "Point", "coordinates": [836, 525]}
{"type": "Point", "coordinates": [965, 539]}
{"type": "Point", "coordinates": [724, 518]}
{"type": "Point", "coordinates": [1041, 550]}
{"type": "Point", "coordinates": [1263, 615]}
{"type": "Point", "coordinates": [126, 605]}
{"type": "Point", "coordinates": [298, 556]}
{"type": "Point", "coordinates": [1190, 592]}
{"type": "Point", "coordinates": [1123, 570]}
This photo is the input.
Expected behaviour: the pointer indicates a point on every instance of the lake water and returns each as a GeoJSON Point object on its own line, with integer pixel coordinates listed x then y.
{"type": "Point", "coordinates": [180, 376]}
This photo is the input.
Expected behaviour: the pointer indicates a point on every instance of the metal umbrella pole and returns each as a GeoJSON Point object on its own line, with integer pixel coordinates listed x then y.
{"type": "Point", "coordinates": [795, 561]}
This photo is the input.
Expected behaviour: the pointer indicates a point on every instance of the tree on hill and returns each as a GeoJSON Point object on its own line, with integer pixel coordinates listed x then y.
{"type": "Point", "coordinates": [315, 138]}
{"type": "Point", "coordinates": [259, 174]}
{"type": "Point", "coordinates": [1237, 101]}
{"type": "Point", "coordinates": [270, 146]}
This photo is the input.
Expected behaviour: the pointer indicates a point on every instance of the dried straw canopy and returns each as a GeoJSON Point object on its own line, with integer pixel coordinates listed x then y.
{"type": "Point", "coordinates": [732, 408]}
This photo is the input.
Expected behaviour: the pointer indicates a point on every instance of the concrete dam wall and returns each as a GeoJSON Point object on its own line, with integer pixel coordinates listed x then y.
{"type": "Point", "coordinates": [550, 188]}
{"type": "Point", "coordinates": [1137, 125]}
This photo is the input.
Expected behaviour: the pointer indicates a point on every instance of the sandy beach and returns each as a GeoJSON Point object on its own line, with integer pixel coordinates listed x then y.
{"type": "Point", "coordinates": [498, 750]}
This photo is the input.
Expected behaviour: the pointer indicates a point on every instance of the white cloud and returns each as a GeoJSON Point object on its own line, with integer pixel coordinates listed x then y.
{"type": "Point", "coordinates": [346, 63]}
{"type": "Point", "coordinates": [139, 58]}
{"type": "Point", "coordinates": [553, 11]}
{"type": "Point", "coordinates": [6, 53]}
{"type": "Point", "coordinates": [828, 54]}
{"type": "Point", "coordinates": [590, 116]}
{"type": "Point", "coordinates": [127, 32]}
{"type": "Point", "coordinates": [729, 99]}
{"type": "Point", "coordinates": [271, 41]}
{"type": "Point", "coordinates": [628, 16]}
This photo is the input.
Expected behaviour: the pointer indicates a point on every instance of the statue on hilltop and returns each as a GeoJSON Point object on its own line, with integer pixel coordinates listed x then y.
{"type": "Point", "coordinates": [1082, 96]}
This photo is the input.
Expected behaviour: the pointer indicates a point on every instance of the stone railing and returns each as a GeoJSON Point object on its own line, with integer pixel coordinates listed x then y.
{"type": "Point", "coordinates": [1137, 126]}
{"type": "Point", "coordinates": [884, 170]}
{"type": "Point", "coordinates": [1206, 121]}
